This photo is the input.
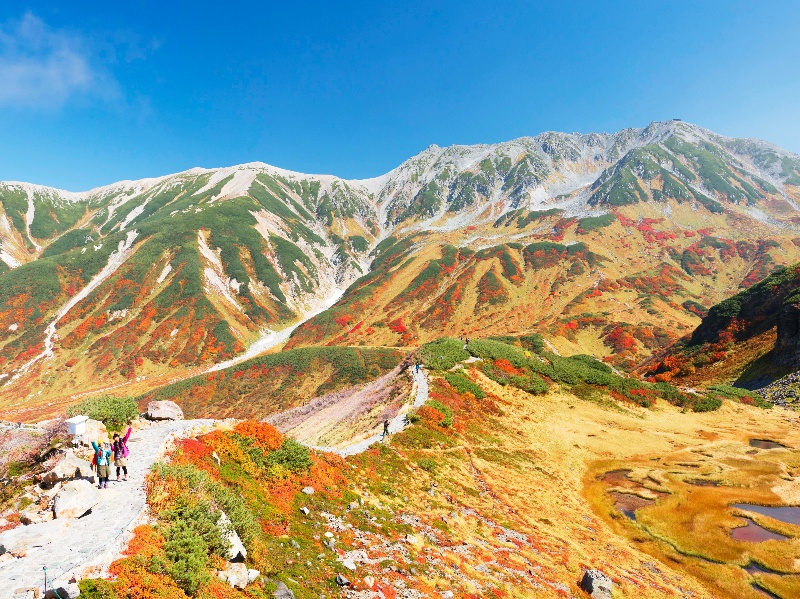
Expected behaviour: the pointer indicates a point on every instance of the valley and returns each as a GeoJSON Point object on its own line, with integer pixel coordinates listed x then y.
{"type": "Point", "coordinates": [584, 349]}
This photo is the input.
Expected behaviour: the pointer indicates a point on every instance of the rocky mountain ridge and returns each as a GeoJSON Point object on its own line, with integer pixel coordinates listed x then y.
{"type": "Point", "coordinates": [142, 278]}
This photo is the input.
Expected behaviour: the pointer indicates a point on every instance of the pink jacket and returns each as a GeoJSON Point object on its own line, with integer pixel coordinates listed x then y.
{"type": "Point", "coordinates": [122, 444]}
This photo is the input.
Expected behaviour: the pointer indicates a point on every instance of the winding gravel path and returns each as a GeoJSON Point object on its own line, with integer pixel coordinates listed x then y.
{"type": "Point", "coordinates": [395, 425]}
{"type": "Point", "coordinates": [86, 546]}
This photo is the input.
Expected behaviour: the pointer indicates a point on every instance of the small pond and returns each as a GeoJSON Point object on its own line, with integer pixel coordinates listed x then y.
{"type": "Point", "coordinates": [702, 482]}
{"type": "Point", "coordinates": [753, 533]}
{"type": "Point", "coordinates": [766, 444]}
{"type": "Point", "coordinates": [628, 504]}
{"type": "Point", "coordinates": [788, 514]}
{"type": "Point", "coordinates": [616, 476]}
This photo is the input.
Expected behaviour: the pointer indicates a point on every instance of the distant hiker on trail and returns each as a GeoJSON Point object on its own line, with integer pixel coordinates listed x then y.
{"type": "Point", "coordinates": [102, 457]}
{"type": "Point", "coordinates": [120, 449]}
{"type": "Point", "coordinates": [417, 366]}
{"type": "Point", "coordinates": [385, 428]}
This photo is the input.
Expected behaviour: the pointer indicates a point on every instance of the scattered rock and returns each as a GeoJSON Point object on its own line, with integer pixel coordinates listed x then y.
{"type": "Point", "coordinates": [252, 574]}
{"type": "Point", "coordinates": [447, 595]}
{"type": "Point", "coordinates": [597, 584]}
{"type": "Point", "coordinates": [164, 410]}
{"type": "Point", "coordinates": [283, 592]}
{"type": "Point", "coordinates": [305, 510]}
{"type": "Point", "coordinates": [67, 468]}
{"type": "Point", "coordinates": [294, 544]}
{"type": "Point", "coordinates": [349, 564]}
{"type": "Point", "coordinates": [75, 499]}
{"type": "Point", "coordinates": [353, 505]}
{"type": "Point", "coordinates": [369, 582]}
{"type": "Point", "coordinates": [308, 490]}
{"type": "Point", "coordinates": [342, 581]}
{"type": "Point", "coordinates": [235, 575]}
{"type": "Point", "coordinates": [329, 534]}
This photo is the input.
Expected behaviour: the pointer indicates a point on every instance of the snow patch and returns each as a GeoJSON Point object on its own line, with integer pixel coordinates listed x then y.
{"type": "Point", "coordinates": [132, 215]}
{"type": "Point", "coordinates": [10, 260]}
{"type": "Point", "coordinates": [164, 273]}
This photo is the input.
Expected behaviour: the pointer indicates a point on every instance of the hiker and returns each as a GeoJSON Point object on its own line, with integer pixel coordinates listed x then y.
{"type": "Point", "coordinates": [120, 449]}
{"type": "Point", "coordinates": [385, 428]}
{"type": "Point", "coordinates": [102, 456]}
{"type": "Point", "coordinates": [417, 366]}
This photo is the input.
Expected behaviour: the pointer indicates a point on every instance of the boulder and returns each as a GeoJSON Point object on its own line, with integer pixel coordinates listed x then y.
{"type": "Point", "coordinates": [235, 575]}
{"type": "Point", "coordinates": [75, 499]}
{"type": "Point", "coordinates": [237, 552]}
{"type": "Point", "coordinates": [95, 431]}
{"type": "Point", "coordinates": [68, 467]}
{"type": "Point", "coordinates": [164, 410]}
{"type": "Point", "coordinates": [252, 574]}
{"type": "Point", "coordinates": [308, 490]}
{"type": "Point", "coordinates": [68, 591]}
{"type": "Point", "coordinates": [283, 592]}
{"type": "Point", "coordinates": [597, 584]}
{"type": "Point", "coordinates": [342, 581]}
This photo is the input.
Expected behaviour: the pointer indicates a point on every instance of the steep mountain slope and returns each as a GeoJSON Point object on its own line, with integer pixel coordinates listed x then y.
{"type": "Point", "coordinates": [752, 337]}
{"type": "Point", "coordinates": [609, 244]}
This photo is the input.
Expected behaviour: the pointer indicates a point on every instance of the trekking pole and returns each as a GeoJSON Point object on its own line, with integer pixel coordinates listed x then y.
{"type": "Point", "coordinates": [55, 590]}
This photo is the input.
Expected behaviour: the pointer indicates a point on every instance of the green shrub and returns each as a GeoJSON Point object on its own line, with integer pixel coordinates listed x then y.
{"type": "Point", "coordinates": [291, 455]}
{"type": "Point", "coordinates": [96, 588]}
{"type": "Point", "coordinates": [428, 464]}
{"type": "Point", "coordinates": [447, 421]}
{"type": "Point", "coordinates": [204, 520]}
{"type": "Point", "coordinates": [532, 383]}
{"type": "Point", "coordinates": [443, 353]}
{"type": "Point", "coordinates": [494, 350]}
{"type": "Point", "coordinates": [707, 404]}
{"type": "Point", "coordinates": [187, 553]}
{"type": "Point", "coordinates": [464, 385]}
{"type": "Point", "coordinates": [114, 412]}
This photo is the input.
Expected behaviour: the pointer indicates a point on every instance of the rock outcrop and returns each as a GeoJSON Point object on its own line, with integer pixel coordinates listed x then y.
{"type": "Point", "coordinates": [75, 499]}
{"type": "Point", "coordinates": [67, 468]}
{"type": "Point", "coordinates": [597, 584]}
{"type": "Point", "coordinates": [787, 344]}
{"type": "Point", "coordinates": [164, 410]}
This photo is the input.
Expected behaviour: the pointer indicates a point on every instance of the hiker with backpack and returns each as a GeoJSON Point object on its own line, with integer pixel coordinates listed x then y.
{"type": "Point", "coordinates": [120, 449]}
{"type": "Point", "coordinates": [101, 459]}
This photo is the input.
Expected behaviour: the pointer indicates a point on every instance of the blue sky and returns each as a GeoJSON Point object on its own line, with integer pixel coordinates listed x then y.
{"type": "Point", "coordinates": [94, 92]}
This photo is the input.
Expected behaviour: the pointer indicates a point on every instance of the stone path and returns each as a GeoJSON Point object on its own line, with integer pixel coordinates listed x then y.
{"type": "Point", "coordinates": [87, 545]}
{"type": "Point", "coordinates": [395, 425]}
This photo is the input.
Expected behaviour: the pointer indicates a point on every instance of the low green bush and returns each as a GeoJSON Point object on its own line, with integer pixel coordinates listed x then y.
{"type": "Point", "coordinates": [443, 353]}
{"type": "Point", "coordinates": [464, 385]}
{"type": "Point", "coordinates": [114, 412]}
{"type": "Point", "coordinates": [447, 421]}
{"type": "Point", "coordinates": [495, 350]}
{"type": "Point", "coordinates": [291, 455]}
{"type": "Point", "coordinates": [707, 404]}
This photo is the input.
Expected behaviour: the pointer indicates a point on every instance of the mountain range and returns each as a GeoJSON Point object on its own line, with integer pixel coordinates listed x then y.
{"type": "Point", "coordinates": [608, 244]}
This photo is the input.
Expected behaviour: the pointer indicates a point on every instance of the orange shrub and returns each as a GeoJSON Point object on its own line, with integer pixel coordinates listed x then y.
{"type": "Point", "coordinates": [266, 436]}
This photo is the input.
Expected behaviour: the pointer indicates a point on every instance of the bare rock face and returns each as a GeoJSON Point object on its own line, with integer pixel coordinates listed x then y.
{"type": "Point", "coordinates": [597, 584]}
{"type": "Point", "coordinates": [164, 410]}
{"type": "Point", "coordinates": [75, 499]}
{"type": "Point", "coordinates": [67, 468]}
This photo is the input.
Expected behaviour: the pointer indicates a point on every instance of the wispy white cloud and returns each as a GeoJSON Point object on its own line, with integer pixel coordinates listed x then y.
{"type": "Point", "coordinates": [43, 67]}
